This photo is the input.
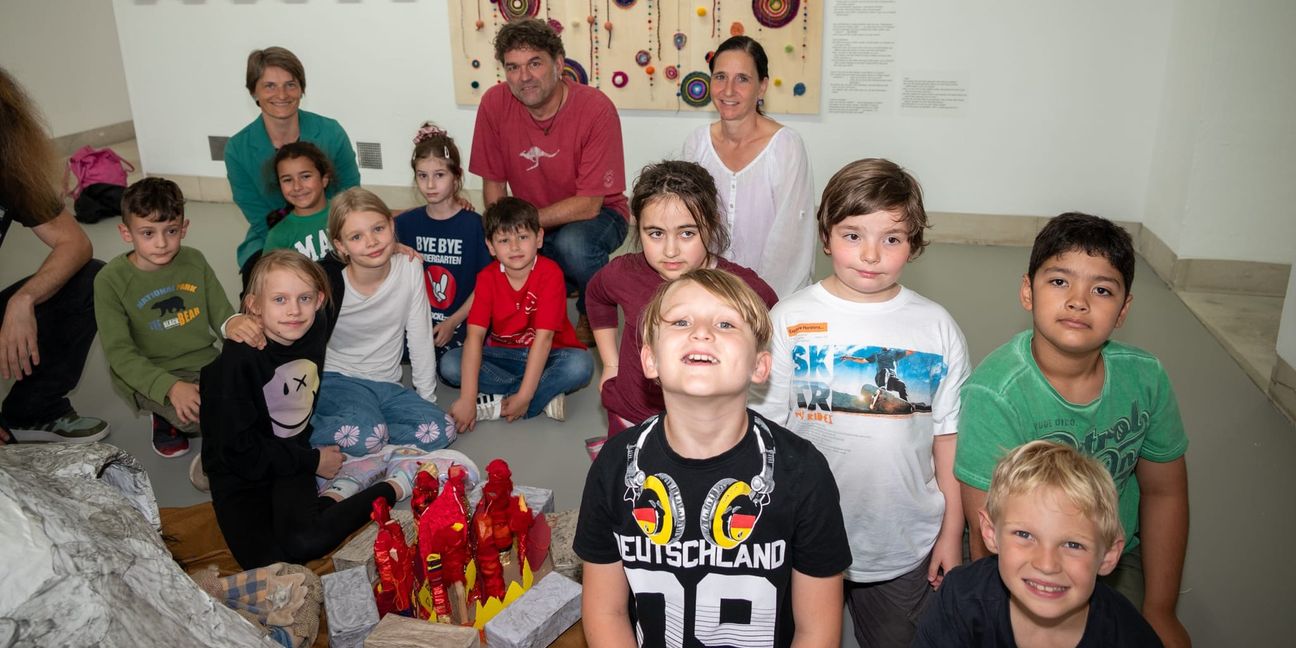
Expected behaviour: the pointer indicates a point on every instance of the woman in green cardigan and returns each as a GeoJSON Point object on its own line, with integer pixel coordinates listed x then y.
{"type": "Point", "coordinates": [276, 80]}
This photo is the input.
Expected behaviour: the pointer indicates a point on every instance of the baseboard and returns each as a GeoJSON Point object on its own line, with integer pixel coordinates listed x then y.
{"type": "Point", "coordinates": [1203, 275]}
{"type": "Point", "coordinates": [1282, 389]}
{"type": "Point", "coordinates": [1213, 275]}
{"type": "Point", "coordinates": [96, 137]}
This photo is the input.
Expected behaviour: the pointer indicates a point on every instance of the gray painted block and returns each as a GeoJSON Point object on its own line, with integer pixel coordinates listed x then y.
{"type": "Point", "coordinates": [396, 631]}
{"type": "Point", "coordinates": [352, 611]}
{"type": "Point", "coordinates": [545, 611]}
{"type": "Point", "coordinates": [565, 561]}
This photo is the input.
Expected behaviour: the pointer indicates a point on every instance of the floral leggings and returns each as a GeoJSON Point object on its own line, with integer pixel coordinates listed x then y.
{"type": "Point", "coordinates": [361, 416]}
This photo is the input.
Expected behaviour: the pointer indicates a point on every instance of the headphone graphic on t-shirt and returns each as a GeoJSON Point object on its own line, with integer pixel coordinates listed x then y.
{"type": "Point", "coordinates": [729, 512]}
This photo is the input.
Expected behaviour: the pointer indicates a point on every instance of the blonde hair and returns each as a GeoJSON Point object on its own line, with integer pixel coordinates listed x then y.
{"type": "Point", "coordinates": [292, 261]}
{"type": "Point", "coordinates": [1076, 476]}
{"type": "Point", "coordinates": [348, 202]}
{"type": "Point", "coordinates": [724, 286]}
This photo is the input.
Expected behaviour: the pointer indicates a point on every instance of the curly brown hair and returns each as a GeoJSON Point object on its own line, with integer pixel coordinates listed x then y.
{"type": "Point", "coordinates": [27, 158]}
{"type": "Point", "coordinates": [531, 33]}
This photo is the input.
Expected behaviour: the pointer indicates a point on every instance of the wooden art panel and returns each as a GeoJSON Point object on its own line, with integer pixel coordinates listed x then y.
{"type": "Point", "coordinates": [649, 54]}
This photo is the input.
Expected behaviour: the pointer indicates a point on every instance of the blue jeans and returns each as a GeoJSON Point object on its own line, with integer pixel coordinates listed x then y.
{"type": "Point", "coordinates": [361, 416]}
{"type": "Point", "coordinates": [565, 371]}
{"type": "Point", "coordinates": [582, 248]}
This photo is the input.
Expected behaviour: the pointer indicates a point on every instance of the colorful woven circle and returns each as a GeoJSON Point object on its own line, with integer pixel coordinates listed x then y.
{"type": "Point", "coordinates": [573, 70]}
{"type": "Point", "coordinates": [671, 72]}
{"type": "Point", "coordinates": [680, 40]}
{"type": "Point", "coordinates": [556, 26]}
{"type": "Point", "coordinates": [696, 89]}
{"type": "Point", "coordinates": [799, 89]}
{"type": "Point", "coordinates": [624, 4]}
{"type": "Point", "coordinates": [773, 13]}
{"type": "Point", "coordinates": [642, 58]}
{"type": "Point", "coordinates": [620, 79]}
{"type": "Point", "coordinates": [519, 9]}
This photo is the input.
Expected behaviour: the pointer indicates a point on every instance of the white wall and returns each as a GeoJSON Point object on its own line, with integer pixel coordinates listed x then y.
{"type": "Point", "coordinates": [1287, 328]}
{"type": "Point", "coordinates": [66, 54]}
{"type": "Point", "coordinates": [1221, 184]}
{"type": "Point", "coordinates": [1063, 110]}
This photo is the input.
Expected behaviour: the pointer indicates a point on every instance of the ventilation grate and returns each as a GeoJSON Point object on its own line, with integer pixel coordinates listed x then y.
{"type": "Point", "coordinates": [217, 145]}
{"type": "Point", "coordinates": [370, 154]}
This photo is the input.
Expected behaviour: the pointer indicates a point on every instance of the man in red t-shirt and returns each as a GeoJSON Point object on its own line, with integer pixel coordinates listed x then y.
{"type": "Point", "coordinates": [557, 145]}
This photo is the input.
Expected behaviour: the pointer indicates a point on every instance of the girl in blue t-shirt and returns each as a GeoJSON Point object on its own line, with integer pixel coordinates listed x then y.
{"type": "Point", "coordinates": [447, 234]}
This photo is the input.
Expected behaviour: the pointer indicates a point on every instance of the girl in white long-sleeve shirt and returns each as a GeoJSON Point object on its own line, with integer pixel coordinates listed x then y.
{"type": "Point", "coordinates": [362, 404]}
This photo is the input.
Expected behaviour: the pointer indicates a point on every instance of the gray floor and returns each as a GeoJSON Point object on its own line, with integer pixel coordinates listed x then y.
{"type": "Point", "coordinates": [1236, 585]}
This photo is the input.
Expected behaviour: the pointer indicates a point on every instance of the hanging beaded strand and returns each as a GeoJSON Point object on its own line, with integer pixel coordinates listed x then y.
{"type": "Point", "coordinates": [650, 24]}
{"type": "Point", "coordinates": [595, 37]}
{"type": "Point", "coordinates": [805, 32]}
{"type": "Point", "coordinates": [659, 29]}
{"type": "Point", "coordinates": [495, 29]}
{"type": "Point", "coordinates": [607, 24]}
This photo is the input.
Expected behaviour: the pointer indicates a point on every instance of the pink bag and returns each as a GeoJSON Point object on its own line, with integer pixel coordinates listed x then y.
{"type": "Point", "coordinates": [91, 165]}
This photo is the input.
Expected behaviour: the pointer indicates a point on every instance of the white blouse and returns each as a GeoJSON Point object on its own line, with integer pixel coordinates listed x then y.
{"type": "Point", "coordinates": [769, 207]}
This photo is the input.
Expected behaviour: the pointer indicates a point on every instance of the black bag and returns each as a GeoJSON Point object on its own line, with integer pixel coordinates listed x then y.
{"type": "Point", "coordinates": [99, 201]}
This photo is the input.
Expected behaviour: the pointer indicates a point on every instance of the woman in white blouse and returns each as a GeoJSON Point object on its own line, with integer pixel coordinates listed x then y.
{"type": "Point", "coordinates": [761, 171]}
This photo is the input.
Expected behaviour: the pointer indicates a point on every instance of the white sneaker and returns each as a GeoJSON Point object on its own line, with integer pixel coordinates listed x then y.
{"type": "Point", "coordinates": [197, 476]}
{"type": "Point", "coordinates": [555, 409]}
{"type": "Point", "coordinates": [489, 407]}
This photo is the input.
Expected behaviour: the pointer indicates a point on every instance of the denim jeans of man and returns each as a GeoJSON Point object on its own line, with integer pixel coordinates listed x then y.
{"type": "Point", "coordinates": [582, 248]}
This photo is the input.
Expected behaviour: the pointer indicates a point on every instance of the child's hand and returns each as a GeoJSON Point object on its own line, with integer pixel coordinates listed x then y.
{"type": "Point", "coordinates": [330, 462]}
{"type": "Point", "coordinates": [246, 329]}
{"type": "Point", "coordinates": [184, 398]}
{"type": "Point", "coordinates": [1168, 628]}
{"type": "Point", "coordinates": [514, 407]}
{"type": "Point", "coordinates": [609, 372]}
{"type": "Point", "coordinates": [408, 251]}
{"type": "Point", "coordinates": [946, 555]}
{"type": "Point", "coordinates": [464, 412]}
{"type": "Point", "coordinates": [443, 332]}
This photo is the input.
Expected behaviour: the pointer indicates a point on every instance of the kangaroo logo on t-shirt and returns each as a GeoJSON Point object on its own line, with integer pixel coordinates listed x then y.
{"type": "Point", "coordinates": [534, 154]}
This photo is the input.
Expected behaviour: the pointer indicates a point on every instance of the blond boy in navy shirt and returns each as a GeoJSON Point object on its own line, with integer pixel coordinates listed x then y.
{"type": "Point", "coordinates": [1052, 519]}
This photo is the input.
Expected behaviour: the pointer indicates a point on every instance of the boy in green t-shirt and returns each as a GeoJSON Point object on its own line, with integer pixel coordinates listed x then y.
{"type": "Point", "coordinates": [1066, 381]}
{"type": "Point", "coordinates": [160, 310]}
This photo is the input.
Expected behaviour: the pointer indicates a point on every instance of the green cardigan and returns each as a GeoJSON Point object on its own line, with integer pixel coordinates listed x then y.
{"type": "Point", "coordinates": [247, 159]}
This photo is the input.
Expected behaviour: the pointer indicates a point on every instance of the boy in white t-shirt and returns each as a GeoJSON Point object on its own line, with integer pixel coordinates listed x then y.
{"type": "Point", "coordinates": [869, 371]}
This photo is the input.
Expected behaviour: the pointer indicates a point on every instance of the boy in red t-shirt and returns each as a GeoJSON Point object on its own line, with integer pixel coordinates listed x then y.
{"type": "Point", "coordinates": [521, 353]}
